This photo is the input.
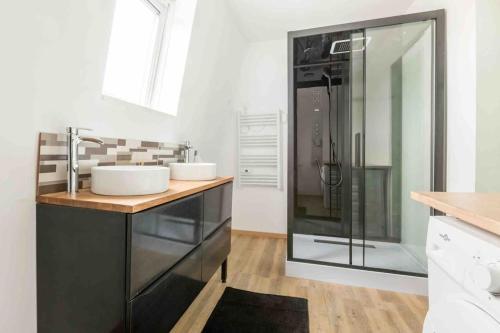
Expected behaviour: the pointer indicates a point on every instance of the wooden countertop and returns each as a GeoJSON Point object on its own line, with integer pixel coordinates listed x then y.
{"type": "Point", "coordinates": [479, 209]}
{"type": "Point", "coordinates": [131, 204]}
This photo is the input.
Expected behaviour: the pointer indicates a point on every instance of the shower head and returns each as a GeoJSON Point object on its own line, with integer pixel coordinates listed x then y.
{"type": "Point", "coordinates": [350, 45]}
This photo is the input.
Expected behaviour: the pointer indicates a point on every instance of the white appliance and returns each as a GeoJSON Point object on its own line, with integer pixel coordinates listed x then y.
{"type": "Point", "coordinates": [464, 278]}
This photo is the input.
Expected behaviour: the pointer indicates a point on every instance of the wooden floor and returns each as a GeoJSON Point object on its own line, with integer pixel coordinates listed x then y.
{"type": "Point", "coordinates": [257, 264]}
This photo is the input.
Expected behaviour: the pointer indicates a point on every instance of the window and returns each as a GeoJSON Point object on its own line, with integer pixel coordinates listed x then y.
{"type": "Point", "coordinates": [137, 51]}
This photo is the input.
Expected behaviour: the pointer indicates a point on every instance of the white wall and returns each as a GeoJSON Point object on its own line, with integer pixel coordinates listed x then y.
{"type": "Point", "coordinates": [52, 61]}
{"type": "Point", "coordinates": [488, 97]}
{"type": "Point", "coordinates": [17, 173]}
{"type": "Point", "coordinates": [270, 20]}
{"type": "Point", "coordinates": [461, 85]}
{"type": "Point", "coordinates": [262, 89]}
{"type": "Point", "coordinates": [213, 68]}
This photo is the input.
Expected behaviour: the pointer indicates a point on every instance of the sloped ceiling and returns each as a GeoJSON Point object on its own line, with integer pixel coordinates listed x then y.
{"type": "Point", "coordinates": [261, 20]}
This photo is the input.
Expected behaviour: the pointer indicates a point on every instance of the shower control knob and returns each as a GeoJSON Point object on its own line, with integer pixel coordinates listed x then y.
{"type": "Point", "coordinates": [487, 276]}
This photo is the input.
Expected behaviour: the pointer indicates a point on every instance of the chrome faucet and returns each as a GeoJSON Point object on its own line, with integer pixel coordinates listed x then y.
{"type": "Point", "coordinates": [187, 151]}
{"type": "Point", "coordinates": [73, 139]}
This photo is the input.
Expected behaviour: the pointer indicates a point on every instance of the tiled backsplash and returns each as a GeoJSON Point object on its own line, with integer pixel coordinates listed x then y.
{"type": "Point", "coordinates": [52, 157]}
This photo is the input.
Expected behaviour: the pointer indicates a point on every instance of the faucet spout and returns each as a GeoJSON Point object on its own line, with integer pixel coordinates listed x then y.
{"type": "Point", "coordinates": [89, 139]}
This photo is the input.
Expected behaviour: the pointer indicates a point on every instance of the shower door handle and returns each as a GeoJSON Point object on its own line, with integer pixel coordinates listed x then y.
{"type": "Point", "coordinates": [357, 150]}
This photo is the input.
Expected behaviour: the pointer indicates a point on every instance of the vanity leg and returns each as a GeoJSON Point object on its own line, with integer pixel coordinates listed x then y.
{"type": "Point", "coordinates": [224, 271]}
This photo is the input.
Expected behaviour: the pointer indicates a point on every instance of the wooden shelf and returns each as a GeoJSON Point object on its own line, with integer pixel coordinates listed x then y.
{"type": "Point", "coordinates": [479, 209]}
{"type": "Point", "coordinates": [130, 204]}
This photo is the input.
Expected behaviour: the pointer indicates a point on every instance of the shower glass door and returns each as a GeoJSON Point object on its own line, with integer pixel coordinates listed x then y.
{"type": "Point", "coordinates": [322, 229]}
{"type": "Point", "coordinates": [398, 107]}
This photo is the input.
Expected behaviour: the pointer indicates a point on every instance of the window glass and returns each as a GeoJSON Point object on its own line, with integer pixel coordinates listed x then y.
{"type": "Point", "coordinates": [134, 46]}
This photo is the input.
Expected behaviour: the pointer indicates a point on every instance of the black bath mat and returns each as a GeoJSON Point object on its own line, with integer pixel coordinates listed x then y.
{"type": "Point", "coordinates": [243, 311]}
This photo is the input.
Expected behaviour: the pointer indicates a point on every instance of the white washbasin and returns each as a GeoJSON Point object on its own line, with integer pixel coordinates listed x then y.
{"type": "Point", "coordinates": [129, 179]}
{"type": "Point", "coordinates": [193, 171]}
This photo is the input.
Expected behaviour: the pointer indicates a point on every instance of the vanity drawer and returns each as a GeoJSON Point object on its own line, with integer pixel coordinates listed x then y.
{"type": "Point", "coordinates": [215, 250]}
{"type": "Point", "coordinates": [217, 203]}
{"type": "Point", "coordinates": [158, 308]}
{"type": "Point", "coordinates": [161, 236]}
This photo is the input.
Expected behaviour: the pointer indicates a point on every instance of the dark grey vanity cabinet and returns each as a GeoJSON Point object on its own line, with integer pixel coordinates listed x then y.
{"type": "Point", "coordinates": [101, 271]}
{"type": "Point", "coordinates": [161, 236]}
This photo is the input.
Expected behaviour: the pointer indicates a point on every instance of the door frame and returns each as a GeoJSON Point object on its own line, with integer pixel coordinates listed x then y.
{"type": "Point", "coordinates": [438, 117]}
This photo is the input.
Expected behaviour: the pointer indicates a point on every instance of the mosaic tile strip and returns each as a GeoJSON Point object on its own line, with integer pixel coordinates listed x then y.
{"type": "Point", "coordinates": [52, 158]}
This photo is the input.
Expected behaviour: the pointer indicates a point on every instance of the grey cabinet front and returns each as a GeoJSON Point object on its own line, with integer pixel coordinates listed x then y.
{"type": "Point", "coordinates": [217, 203]}
{"type": "Point", "coordinates": [158, 308]}
{"type": "Point", "coordinates": [81, 262]}
{"type": "Point", "coordinates": [162, 236]}
{"type": "Point", "coordinates": [215, 250]}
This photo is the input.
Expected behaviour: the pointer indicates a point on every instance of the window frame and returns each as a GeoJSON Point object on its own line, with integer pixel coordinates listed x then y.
{"type": "Point", "coordinates": [165, 11]}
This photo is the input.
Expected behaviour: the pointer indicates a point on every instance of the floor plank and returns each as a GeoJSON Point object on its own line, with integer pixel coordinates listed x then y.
{"type": "Point", "coordinates": [257, 264]}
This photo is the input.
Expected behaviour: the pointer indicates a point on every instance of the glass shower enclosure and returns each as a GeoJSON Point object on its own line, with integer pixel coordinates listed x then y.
{"type": "Point", "coordinates": [366, 127]}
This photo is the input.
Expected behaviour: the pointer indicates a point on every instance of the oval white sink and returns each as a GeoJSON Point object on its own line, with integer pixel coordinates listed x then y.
{"type": "Point", "coordinates": [193, 171]}
{"type": "Point", "coordinates": [129, 180]}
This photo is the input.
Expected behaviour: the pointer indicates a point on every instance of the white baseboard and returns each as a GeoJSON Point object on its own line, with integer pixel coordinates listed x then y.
{"type": "Point", "coordinates": [357, 277]}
